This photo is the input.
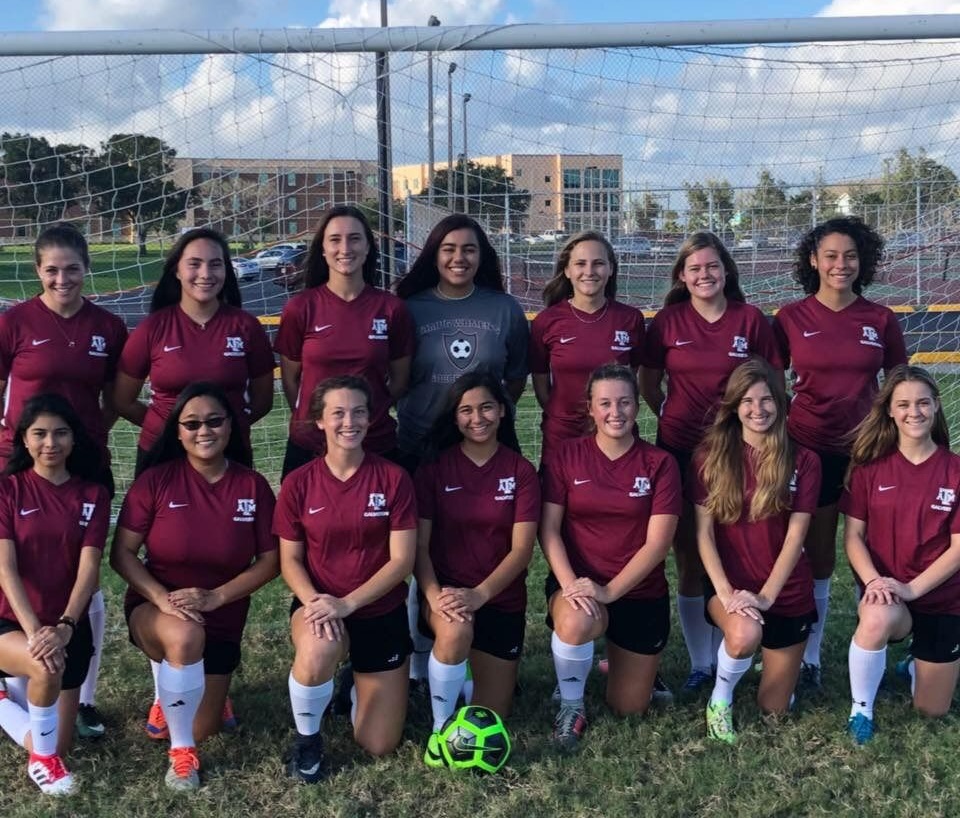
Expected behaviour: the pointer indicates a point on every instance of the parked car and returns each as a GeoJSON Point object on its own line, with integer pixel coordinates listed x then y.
{"type": "Point", "coordinates": [906, 241]}
{"type": "Point", "coordinates": [552, 235]}
{"type": "Point", "coordinates": [246, 269]}
{"type": "Point", "coordinates": [289, 274]}
{"type": "Point", "coordinates": [631, 248]}
{"type": "Point", "coordinates": [752, 241]}
{"type": "Point", "coordinates": [273, 258]}
{"type": "Point", "coordinates": [664, 247]}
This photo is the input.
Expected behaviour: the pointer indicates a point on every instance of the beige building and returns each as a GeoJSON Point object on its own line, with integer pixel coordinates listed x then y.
{"type": "Point", "coordinates": [568, 192]}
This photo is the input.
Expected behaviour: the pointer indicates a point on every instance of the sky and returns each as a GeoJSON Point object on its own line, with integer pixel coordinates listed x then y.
{"type": "Point", "coordinates": [676, 115]}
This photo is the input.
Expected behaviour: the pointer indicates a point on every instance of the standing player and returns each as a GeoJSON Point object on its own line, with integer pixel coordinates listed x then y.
{"type": "Point", "coordinates": [479, 505]}
{"type": "Point", "coordinates": [902, 536]}
{"type": "Point", "coordinates": [610, 510]}
{"type": "Point", "coordinates": [704, 331]}
{"type": "Point", "coordinates": [203, 516]}
{"type": "Point", "coordinates": [60, 342]}
{"type": "Point", "coordinates": [754, 492]}
{"type": "Point", "coordinates": [347, 526]}
{"type": "Point", "coordinates": [836, 343]}
{"type": "Point", "coordinates": [53, 523]}
{"type": "Point", "coordinates": [196, 331]}
{"type": "Point", "coordinates": [582, 327]}
{"type": "Point", "coordinates": [343, 325]}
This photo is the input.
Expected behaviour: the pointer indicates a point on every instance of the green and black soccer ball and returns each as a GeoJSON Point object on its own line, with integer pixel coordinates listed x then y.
{"type": "Point", "coordinates": [474, 738]}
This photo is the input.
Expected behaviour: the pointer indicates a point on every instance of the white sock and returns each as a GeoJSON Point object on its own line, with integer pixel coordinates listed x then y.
{"type": "Point", "coordinates": [14, 720]}
{"type": "Point", "coordinates": [353, 706]}
{"type": "Point", "coordinates": [17, 689]}
{"type": "Point", "coordinates": [181, 689]}
{"type": "Point", "coordinates": [467, 690]}
{"type": "Point", "coordinates": [155, 670]}
{"type": "Point", "coordinates": [912, 672]}
{"type": "Point", "coordinates": [729, 672]}
{"type": "Point", "coordinates": [696, 632]}
{"type": "Point", "coordinates": [866, 672]}
{"type": "Point", "coordinates": [98, 619]}
{"type": "Point", "coordinates": [821, 598]}
{"type": "Point", "coordinates": [308, 703]}
{"type": "Point", "coordinates": [446, 681]}
{"type": "Point", "coordinates": [422, 646]}
{"type": "Point", "coordinates": [43, 728]}
{"type": "Point", "coordinates": [572, 663]}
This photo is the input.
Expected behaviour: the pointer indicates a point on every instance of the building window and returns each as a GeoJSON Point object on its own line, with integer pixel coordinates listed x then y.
{"type": "Point", "coordinates": [571, 178]}
{"type": "Point", "coordinates": [264, 178]}
{"type": "Point", "coordinates": [291, 203]}
{"type": "Point", "coordinates": [546, 179]}
{"type": "Point", "coordinates": [519, 173]}
{"type": "Point", "coordinates": [371, 180]}
{"type": "Point", "coordinates": [611, 177]}
{"type": "Point", "coordinates": [572, 202]}
{"type": "Point", "coordinates": [591, 177]}
{"type": "Point", "coordinates": [292, 179]}
{"type": "Point", "coordinates": [291, 228]}
{"type": "Point", "coordinates": [322, 178]}
{"type": "Point", "coordinates": [547, 202]}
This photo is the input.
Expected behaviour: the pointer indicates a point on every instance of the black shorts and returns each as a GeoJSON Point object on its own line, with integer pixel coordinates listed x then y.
{"type": "Point", "coordinates": [499, 633]}
{"type": "Point", "coordinates": [833, 469]}
{"type": "Point", "coordinates": [683, 458]}
{"type": "Point", "coordinates": [79, 651]}
{"type": "Point", "coordinates": [779, 631]}
{"type": "Point", "coordinates": [936, 637]}
{"type": "Point", "coordinates": [294, 457]}
{"type": "Point", "coordinates": [221, 657]}
{"type": "Point", "coordinates": [377, 643]}
{"type": "Point", "coordinates": [637, 625]}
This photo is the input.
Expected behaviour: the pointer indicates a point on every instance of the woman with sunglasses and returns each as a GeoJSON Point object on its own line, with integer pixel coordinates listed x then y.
{"type": "Point", "coordinates": [203, 516]}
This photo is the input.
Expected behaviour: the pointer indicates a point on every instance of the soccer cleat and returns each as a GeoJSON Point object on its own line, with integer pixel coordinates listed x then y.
{"type": "Point", "coordinates": [89, 722]}
{"type": "Point", "coordinates": [49, 774]}
{"type": "Point", "coordinates": [432, 757]}
{"type": "Point", "coordinates": [902, 669]}
{"type": "Point", "coordinates": [720, 722]}
{"type": "Point", "coordinates": [342, 705]}
{"type": "Point", "coordinates": [229, 719]}
{"type": "Point", "coordinates": [696, 683]}
{"type": "Point", "coordinates": [604, 666]}
{"type": "Point", "coordinates": [156, 725]}
{"type": "Point", "coordinates": [555, 696]}
{"type": "Point", "coordinates": [307, 761]}
{"type": "Point", "coordinates": [860, 728]}
{"type": "Point", "coordinates": [3, 689]}
{"type": "Point", "coordinates": [568, 727]}
{"type": "Point", "coordinates": [811, 680]}
{"type": "Point", "coordinates": [183, 773]}
{"type": "Point", "coordinates": [662, 695]}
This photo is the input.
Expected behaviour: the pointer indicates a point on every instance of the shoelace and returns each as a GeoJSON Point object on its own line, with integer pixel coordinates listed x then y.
{"type": "Point", "coordinates": [184, 760]}
{"type": "Point", "coordinates": [566, 719]}
{"type": "Point", "coordinates": [53, 768]}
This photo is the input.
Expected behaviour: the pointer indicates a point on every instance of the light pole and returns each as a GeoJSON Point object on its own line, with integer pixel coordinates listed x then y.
{"type": "Point", "coordinates": [466, 99]}
{"type": "Point", "coordinates": [433, 21]}
{"type": "Point", "coordinates": [450, 70]}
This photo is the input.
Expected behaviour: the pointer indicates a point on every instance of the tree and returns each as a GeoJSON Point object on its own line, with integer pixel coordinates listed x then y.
{"type": "Point", "coordinates": [710, 205]}
{"type": "Point", "coordinates": [487, 190]}
{"type": "Point", "coordinates": [916, 182]}
{"type": "Point", "coordinates": [135, 182]}
{"type": "Point", "coordinates": [768, 202]}
{"type": "Point", "coordinates": [237, 203]}
{"type": "Point", "coordinates": [645, 211]}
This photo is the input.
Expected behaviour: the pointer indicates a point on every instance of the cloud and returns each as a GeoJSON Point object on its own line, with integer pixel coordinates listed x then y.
{"type": "Point", "coordinates": [870, 8]}
{"type": "Point", "coordinates": [77, 15]}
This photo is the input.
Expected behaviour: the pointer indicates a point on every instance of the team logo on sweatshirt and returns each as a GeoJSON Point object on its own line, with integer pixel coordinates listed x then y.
{"type": "Point", "coordinates": [378, 329]}
{"type": "Point", "coordinates": [621, 341]}
{"type": "Point", "coordinates": [246, 508]}
{"type": "Point", "coordinates": [461, 348]}
{"type": "Point", "coordinates": [506, 489]}
{"type": "Point", "coordinates": [741, 347]}
{"type": "Point", "coordinates": [870, 337]}
{"type": "Point", "coordinates": [98, 346]}
{"type": "Point", "coordinates": [86, 514]}
{"type": "Point", "coordinates": [234, 347]}
{"type": "Point", "coordinates": [377, 505]}
{"type": "Point", "coordinates": [945, 499]}
{"type": "Point", "coordinates": [641, 487]}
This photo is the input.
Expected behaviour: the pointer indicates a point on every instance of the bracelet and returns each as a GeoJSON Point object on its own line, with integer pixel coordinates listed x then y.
{"type": "Point", "coordinates": [70, 622]}
{"type": "Point", "coordinates": [871, 582]}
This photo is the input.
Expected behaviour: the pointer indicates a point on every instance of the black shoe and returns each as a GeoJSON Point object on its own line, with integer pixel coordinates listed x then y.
{"type": "Point", "coordinates": [307, 761]}
{"type": "Point", "coordinates": [811, 681]}
{"type": "Point", "coordinates": [342, 705]}
{"type": "Point", "coordinates": [89, 722]}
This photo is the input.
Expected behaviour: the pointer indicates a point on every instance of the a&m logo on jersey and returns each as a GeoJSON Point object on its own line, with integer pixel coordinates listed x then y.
{"type": "Point", "coordinates": [793, 482]}
{"type": "Point", "coordinates": [945, 499]}
{"type": "Point", "coordinates": [234, 347]}
{"type": "Point", "coordinates": [741, 347]}
{"type": "Point", "coordinates": [98, 346]}
{"type": "Point", "coordinates": [507, 487]}
{"type": "Point", "coordinates": [378, 330]}
{"type": "Point", "coordinates": [377, 505]}
{"type": "Point", "coordinates": [246, 509]}
{"type": "Point", "coordinates": [621, 341]}
{"type": "Point", "coordinates": [641, 487]}
{"type": "Point", "coordinates": [870, 337]}
{"type": "Point", "coordinates": [86, 514]}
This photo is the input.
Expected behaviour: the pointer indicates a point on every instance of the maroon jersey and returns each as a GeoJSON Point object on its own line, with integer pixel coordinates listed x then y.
{"type": "Point", "coordinates": [73, 357]}
{"type": "Point", "coordinates": [329, 336]}
{"type": "Point", "coordinates": [568, 345]}
{"type": "Point", "coordinates": [473, 510]}
{"type": "Point", "coordinates": [910, 513]}
{"type": "Point", "coordinates": [199, 534]}
{"type": "Point", "coordinates": [836, 357]}
{"type": "Point", "coordinates": [608, 505]}
{"type": "Point", "coordinates": [49, 526]}
{"type": "Point", "coordinates": [698, 357]}
{"type": "Point", "coordinates": [173, 351]}
{"type": "Point", "coordinates": [748, 550]}
{"type": "Point", "coordinates": [345, 525]}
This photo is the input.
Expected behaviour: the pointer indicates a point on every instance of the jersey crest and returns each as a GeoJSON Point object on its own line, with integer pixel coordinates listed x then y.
{"type": "Point", "coordinates": [461, 348]}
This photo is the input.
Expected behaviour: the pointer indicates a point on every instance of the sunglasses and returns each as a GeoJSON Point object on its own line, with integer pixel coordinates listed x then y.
{"type": "Point", "coordinates": [210, 423]}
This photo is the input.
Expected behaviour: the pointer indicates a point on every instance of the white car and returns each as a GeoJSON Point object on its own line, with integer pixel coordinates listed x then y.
{"type": "Point", "coordinates": [245, 268]}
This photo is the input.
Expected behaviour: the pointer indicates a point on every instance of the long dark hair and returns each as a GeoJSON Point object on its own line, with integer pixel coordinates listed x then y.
{"type": "Point", "coordinates": [424, 273]}
{"type": "Point", "coordinates": [317, 271]}
{"type": "Point", "coordinates": [84, 461]}
{"type": "Point", "coordinates": [560, 288]}
{"type": "Point", "coordinates": [168, 289]}
{"type": "Point", "coordinates": [444, 432]}
{"type": "Point", "coordinates": [869, 245]}
{"type": "Point", "coordinates": [704, 240]}
{"type": "Point", "coordinates": [168, 446]}
{"type": "Point", "coordinates": [66, 236]}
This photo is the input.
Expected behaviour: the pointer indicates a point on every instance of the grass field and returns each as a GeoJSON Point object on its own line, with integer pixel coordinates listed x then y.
{"type": "Point", "coordinates": [658, 765]}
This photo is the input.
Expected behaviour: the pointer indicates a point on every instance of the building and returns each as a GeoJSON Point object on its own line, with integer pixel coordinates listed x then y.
{"type": "Point", "coordinates": [568, 192]}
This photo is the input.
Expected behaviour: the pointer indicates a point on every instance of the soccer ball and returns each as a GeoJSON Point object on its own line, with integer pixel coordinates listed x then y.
{"type": "Point", "coordinates": [461, 348]}
{"type": "Point", "coordinates": [474, 738]}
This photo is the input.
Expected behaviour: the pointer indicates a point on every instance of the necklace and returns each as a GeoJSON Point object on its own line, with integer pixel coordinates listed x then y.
{"type": "Point", "coordinates": [446, 297]}
{"type": "Point", "coordinates": [59, 321]}
{"type": "Point", "coordinates": [602, 312]}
